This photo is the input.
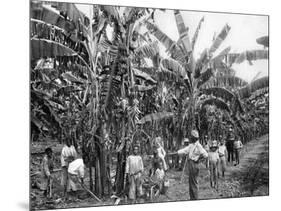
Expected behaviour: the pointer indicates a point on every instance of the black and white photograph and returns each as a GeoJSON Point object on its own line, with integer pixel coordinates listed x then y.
{"type": "Point", "coordinates": [137, 105]}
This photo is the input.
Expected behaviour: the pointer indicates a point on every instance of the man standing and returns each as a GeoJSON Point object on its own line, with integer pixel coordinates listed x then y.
{"type": "Point", "coordinates": [47, 167]}
{"type": "Point", "coordinates": [134, 169]}
{"type": "Point", "coordinates": [194, 153]}
{"type": "Point", "coordinates": [229, 145]}
{"type": "Point", "coordinates": [68, 154]}
{"type": "Point", "coordinates": [237, 147]}
{"type": "Point", "coordinates": [76, 172]}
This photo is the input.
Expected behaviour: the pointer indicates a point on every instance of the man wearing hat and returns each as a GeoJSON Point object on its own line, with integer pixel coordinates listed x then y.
{"type": "Point", "coordinates": [194, 153]}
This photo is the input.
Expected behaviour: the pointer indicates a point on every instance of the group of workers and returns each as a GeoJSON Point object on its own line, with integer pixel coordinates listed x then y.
{"type": "Point", "coordinates": [72, 170]}
{"type": "Point", "coordinates": [213, 153]}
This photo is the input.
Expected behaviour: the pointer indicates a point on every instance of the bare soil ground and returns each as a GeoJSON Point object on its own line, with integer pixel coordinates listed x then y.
{"type": "Point", "coordinates": [249, 178]}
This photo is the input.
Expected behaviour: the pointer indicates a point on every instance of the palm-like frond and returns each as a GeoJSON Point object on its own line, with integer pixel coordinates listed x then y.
{"type": "Point", "coordinates": [217, 102]}
{"type": "Point", "coordinates": [149, 50]}
{"type": "Point", "coordinates": [195, 36]}
{"type": "Point", "coordinates": [225, 81]}
{"type": "Point", "coordinates": [155, 117]}
{"type": "Point", "coordinates": [46, 48]}
{"type": "Point", "coordinates": [143, 76]}
{"type": "Point", "coordinates": [205, 76]}
{"type": "Point", "coordinates": [161, 36]}
{"type": "Point", "coordinates": [219, 92]}
{"type": "Point", "coordinates": [250, 56]}
{"type": "Point", "coordinates": [143, 88]}
{"type": "Point", "coordinates": [70, 77]}
{"type": "Point", "coordinates": [254, 86]}
{"type": "Point", "coordinates": [263, 41]}
{"type": "Point", "coordinates": [259, 93]}
{"type": "Point", "coordinates": [219, 39]}
{"type": "Point", "coordinates": [183, 32]}
{"type": "Point", "coordinates": [174, 66]}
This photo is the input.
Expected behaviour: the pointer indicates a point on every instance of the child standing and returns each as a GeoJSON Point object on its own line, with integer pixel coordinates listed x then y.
{"type": "Point", "coordinates": [47, 167]}
{"type": "Point", "coordinates": [237, 147]}
{"type": "Point", "coordinates": [222, 153]}
{"type": "Point", "coordinates": [160, 176]}
{"type": "Point", "coordinates": [213, 157]}
{"type": "Point", "coordinates": [161, 152]}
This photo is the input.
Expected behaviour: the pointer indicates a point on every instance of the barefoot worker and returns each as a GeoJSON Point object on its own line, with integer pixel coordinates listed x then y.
{"type": "Point", "coordinates": [68, 154]}
{"type": "Point", "coordinates": [213, 159]}
{"type": "Point", "coordinates": [195, 152]}
{"type": "Point", "coordinates": [76, 172]}
{"type": "Point", "coordinates": [134, 169]}
{"type": "Point", "coordinates": [47, 167]}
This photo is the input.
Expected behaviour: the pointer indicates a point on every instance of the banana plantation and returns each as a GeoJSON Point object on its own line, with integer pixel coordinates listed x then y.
{"type": "Point", "coordinates": [112, 79]}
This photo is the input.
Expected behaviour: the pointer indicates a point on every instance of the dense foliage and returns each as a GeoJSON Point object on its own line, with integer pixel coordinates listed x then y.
{"type": "Point", "coordinates": [107, 90]}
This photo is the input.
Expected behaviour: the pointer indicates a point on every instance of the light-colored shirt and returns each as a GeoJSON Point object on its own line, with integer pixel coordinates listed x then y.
{"type": "Point", "coordinates": [67, 152]}
{"type": "Point", "coordinates": [77, 167]}
{"type": "Point", "coordinates": [237, 144]}
{"type": "Point", "coordinates": [161, 152]}
{"type": "Point", "coordinates": [194, 151]}
{"type": "Point", "coordinates": [47, 166]}
{"type": "Point", "coordinates": [222, 150]}
{"type": "Point", "coordinates": [134, 164]}
{"type": "Point", "coordinates": [213, 156]}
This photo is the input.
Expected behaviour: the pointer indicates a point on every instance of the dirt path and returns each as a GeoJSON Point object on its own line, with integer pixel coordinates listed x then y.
{"type": "Point", "coordinates": [250, 178]}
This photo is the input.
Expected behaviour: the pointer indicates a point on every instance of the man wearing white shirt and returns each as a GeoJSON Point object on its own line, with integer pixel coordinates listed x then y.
{"type": "Point", "coordinates": [134, 169]}
{"type": "Point", "coordinates": [68, 154]}
{"type": "Point", "coordinates": [195, 152]}
{"type": "Point", "coordinates": [76, 171]}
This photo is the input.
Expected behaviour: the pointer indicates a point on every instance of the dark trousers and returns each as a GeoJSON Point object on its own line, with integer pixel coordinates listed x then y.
{"type": "Point", "coordinates": [193, 171]}
{"type": "Point", "coordinates": [230, 152]}
{"type": "Point", "coordinates": [236, 152]}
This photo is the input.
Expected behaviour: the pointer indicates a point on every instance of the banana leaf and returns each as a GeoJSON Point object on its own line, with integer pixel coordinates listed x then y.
{"type": "Point", "coordinates": [149, 50]}
{"type": "Point", "coordinates": [263, 41]}
{"type": "Point", "coordinates": [219, 92]}
{"type": "Point", "coordinates": [250, 56]}
{"type": "Point", "coordinates": [155, 117]}
{"type": "Point", "coordinates": [46, 48]}
{"type": "Point", "coordinates": [70, 77]}
{"type": "Point", "coordinates": [143, 88]}
{"type": "Point", "coordinates": [226, 81]}
{"type": "Point", "coordinates": [219, 39]}
{"type": "Point", "coordinates": [260, 83]}
{"type": "Point", "coordinates": [217, 102]}
{"type": "Point", "coordinates": [205, 76]}
{"type": "Point", "coordinates": [183, 32]}
{"type": "Point", "coordinates": [174, 66]}
{"type": "Point", "coordinates": [195, 36]}
{"type": "Point", "coordinates": [144, 76]}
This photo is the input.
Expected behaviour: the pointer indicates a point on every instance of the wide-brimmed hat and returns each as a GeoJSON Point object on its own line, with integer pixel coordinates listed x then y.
{"type": "Point", "coordinates": [195, 134]}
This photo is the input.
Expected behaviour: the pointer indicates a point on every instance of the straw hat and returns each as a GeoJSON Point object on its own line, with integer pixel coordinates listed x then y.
{"type": "Point", "coordinates": [195, 134]}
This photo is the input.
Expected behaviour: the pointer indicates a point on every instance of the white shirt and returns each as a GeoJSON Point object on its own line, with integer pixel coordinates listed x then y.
{"type": "Point", "coordinates": [67, 152]}
{"type": "Point", "coordinates": [238, 144]}
{"type": "Point", "coordinates": [213, 156]}
{"type": "Point", "coordinates": [222, 150]}
{"type": "Point", "coordinates": [134, 164]}
{"type": "Point", "coordinates": [76, 167]}
{"type": "Point", "coordinates": [194, 151]}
